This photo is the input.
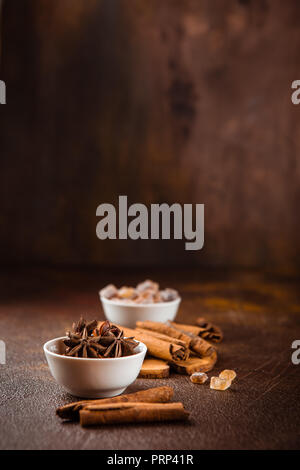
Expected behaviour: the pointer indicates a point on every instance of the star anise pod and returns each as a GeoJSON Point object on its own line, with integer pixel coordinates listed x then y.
{"type": "Point", "coordinates": [81, 342]}
{"type": "Point", "coordinates": [107, 341]}
{"type": "Point", "coordinates": [113, 339]}
{"type": "Point", "coordinates": [107, 329]}
{"type": "Point", "coordinates": [116, 344]}
{"type": "Point", "coordinates": [82, 323]}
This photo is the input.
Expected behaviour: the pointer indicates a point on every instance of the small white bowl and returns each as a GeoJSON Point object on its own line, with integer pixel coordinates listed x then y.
{"type": "Point", "coordinates": [93, 378]}
{"type": "Point", "coordinates": [128, 314]}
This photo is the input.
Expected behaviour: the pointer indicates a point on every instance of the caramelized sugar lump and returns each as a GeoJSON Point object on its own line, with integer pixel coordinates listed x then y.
{"type": "Point", "coordinates": [127, 293]}
{"type": "Point", "coordinates": [109, 291]}
{"type": "Point", "coordinates": [228, 374]}
{"type": "Point", "coordinates": [147, 285]}
{"type": "Point", "coordinates": [198, 377]}
{"type": "Point", "coordinates": [216, 383]}
{"type": "Point", "coordinates": [168, 295]}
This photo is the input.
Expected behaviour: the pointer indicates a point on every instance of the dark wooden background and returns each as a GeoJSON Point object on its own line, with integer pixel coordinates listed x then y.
{"type": "Point", "coordinates": [173, 101]}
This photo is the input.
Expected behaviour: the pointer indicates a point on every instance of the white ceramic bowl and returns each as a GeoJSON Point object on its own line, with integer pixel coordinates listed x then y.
{"type": "Point", "coordinates": [128, 315]}
{"type": "Point", "coordinates": [93, 378]}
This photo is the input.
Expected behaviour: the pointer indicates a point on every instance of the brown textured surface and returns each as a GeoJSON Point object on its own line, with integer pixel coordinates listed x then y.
{"type": "Point", "coordinates": [260, 318]}
{"type": "Point", "coordinates": [165, 101]}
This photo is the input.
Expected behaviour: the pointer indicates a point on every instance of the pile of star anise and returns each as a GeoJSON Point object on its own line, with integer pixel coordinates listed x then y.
{"type": "Point", "coordinates": [87, 340]}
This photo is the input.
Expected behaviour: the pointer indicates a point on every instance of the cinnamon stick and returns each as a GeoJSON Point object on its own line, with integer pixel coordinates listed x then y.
{"type": "Point", "coordinates": [203, 329]}
{"type": "Point", "coordinates": [209, 331]}
{"type": "Point", "coordinates": [157, 347]}
{"type": "Point", "coordinates": [165, 329]}
{"type": "Point", "coordinates": [95, 415]}
{"type": "Point", "coordinates": [163, 337]}
{"type": "Point", "coordinates": [201, 347]}
{"type": "Point", "coordinates": [195, 364]}
{"type": "Point", "coordinates": [195, 330]}
{"type": "Point", "coordinates": [194, 342]}
{"type": "Point", "coordinates": [151, 395]}
{"type": "Point", "coordinates": [198, 345]}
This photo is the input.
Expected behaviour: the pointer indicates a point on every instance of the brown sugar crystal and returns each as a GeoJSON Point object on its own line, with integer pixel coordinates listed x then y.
{"type": "Point", "coordinates": [216, 383]}
{"type": "Point", "coordinates": [228, 374]}
{"type": "Point", "coordinates": [198, 377]}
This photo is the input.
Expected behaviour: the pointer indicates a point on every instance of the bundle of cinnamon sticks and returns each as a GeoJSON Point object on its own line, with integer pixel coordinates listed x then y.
{"type": "Point", "coordinates": [179, 346]}
{"type": "Point", "coordinates": [144, 406]}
